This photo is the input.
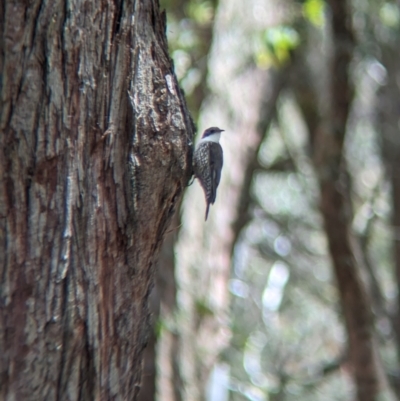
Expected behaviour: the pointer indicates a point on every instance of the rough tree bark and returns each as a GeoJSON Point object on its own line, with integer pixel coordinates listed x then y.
{"type": "Point", "coordinates": [161, 373]}
{"type": "Point", "coordinates": [161, 376]}
{"type": "Point", "coordinates": [169, 381]}
{"type": "Point", "coordinates": [242, 101]}
{"type": "Point", "coordinates": [326, 112]}
{"type": "Point", "coordinates": [95, 151]}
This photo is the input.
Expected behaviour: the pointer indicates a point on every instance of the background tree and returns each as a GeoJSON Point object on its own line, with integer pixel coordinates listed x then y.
{"type": "Point", "coordinates": [242, 100]}
{"type": "Point", "coordinates": [95, 149]}
{"type": "Point", "coordinates": [281, 273]}
{"type": "Point", "coordinates": [314, 307]}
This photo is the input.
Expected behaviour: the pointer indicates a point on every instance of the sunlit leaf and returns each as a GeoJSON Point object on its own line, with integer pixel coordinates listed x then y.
{"type": "Point", "coordinates": [201, 12]}
{"type": "Point", "coordinates": [313, 10]}
{"type": "Point", "coordinates": [277, 43]}
{"type": "Point", "coordinates": [282, 37]}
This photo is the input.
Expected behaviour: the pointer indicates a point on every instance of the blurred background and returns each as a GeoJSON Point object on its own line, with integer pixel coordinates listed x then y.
{"type": "Point", "coordinates": [290, 290]}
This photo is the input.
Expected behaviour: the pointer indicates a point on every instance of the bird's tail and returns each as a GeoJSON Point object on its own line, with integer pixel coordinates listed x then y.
{"type": "Point", "coordinates": [207, 209]}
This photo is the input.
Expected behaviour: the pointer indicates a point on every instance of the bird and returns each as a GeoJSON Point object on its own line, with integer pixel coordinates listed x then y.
{"type": "Point", "coordinates": [207, 164]}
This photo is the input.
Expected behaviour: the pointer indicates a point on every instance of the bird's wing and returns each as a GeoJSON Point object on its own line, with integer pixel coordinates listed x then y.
{"type": "Point", "coordinates": [201, 167]}
{"type": "Point", "coordinates": [216, 155]}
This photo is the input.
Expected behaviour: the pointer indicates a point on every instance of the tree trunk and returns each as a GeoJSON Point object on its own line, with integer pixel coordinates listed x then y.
{"type": "Point", "coordinates": [95, 151]}
{"type": "Point", "coordinates": [388, 104]}
{"type": "Point", "coordinates": [337, 211]}
{"type": "Point", "coordinates": [161, 374]}
{"type": "Point", "coordinates": [327, 126]}
{"type": "Point", "coordinates": [240, 89]}
{"type": "Point", "coordinates": [161, 360]}
{"type": "Point", "coordinates": [168, 380]}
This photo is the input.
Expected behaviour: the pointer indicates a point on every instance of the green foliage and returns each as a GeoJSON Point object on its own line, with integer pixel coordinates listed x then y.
{"type": "Point", "coordinates": [313, 11]}
{"type": "Point", "coordinates": [276, 45]}
{"type": "Point", "coordinates": [201, 11]}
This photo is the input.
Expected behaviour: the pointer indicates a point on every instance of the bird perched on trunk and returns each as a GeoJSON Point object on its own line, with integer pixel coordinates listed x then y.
{"type": "Point", "coordinates": [207, 163]}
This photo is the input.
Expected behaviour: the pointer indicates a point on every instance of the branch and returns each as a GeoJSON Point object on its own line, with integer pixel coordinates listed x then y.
{"type": "Point", "coordinates": [266, 113]}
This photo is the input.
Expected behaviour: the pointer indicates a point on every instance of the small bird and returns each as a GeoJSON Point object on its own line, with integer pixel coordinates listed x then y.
{"type": "Point", "coordinates": [207, 163]}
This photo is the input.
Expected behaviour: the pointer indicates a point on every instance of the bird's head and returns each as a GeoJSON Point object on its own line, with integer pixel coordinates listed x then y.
{"type": "Point", "coordinates": [211, 131]}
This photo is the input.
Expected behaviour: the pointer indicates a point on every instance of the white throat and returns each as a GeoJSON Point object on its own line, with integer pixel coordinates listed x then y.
{"type": "Point", "coordinates": [212, 138]}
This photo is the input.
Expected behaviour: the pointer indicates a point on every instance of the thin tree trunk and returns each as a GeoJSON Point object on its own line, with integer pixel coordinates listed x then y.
{"type": "Point", "coordinates": [327, 129]}
{"type": "Point", "coordinates": [388, 104]}
{"type": "Point", "coordinates": [242, 102]}
{"type": "Point", "coordinates": [95, 151]}
{"type": "Point", "coordinates": [337, 210]}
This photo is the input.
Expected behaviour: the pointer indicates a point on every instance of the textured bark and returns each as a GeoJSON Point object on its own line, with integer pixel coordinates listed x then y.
{"type": "Point", "coordinates": [169, 380]}
{"type": "Point", "coordinates": [161, 373]}
{"type": "Point", "coordinates": [327, 132]}
{"type": "Point", "coordinates": [242, 102]}
{"type": "Point", "coordinates": [148, 385]}
{"type": "Point", "coordinates": [95, 151]}
{"type": "Point", "coordinates": [162, 379]}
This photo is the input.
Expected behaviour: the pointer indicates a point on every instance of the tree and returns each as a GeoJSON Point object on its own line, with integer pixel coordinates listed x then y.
{"type": "Point", "coordinates": [324, 89]}
{"type": "Point", "coordinates": [95, 145]}
{"type": "Point", "coordinates": [242, 101]}
{"type": "Point", "coordinates": [327, 132]}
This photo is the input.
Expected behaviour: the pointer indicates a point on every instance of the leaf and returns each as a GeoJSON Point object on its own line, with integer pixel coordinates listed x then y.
{"type": "Point", "coordinates": [277, 44]}
{"type": "Point", "coordinates": [313, 10]}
